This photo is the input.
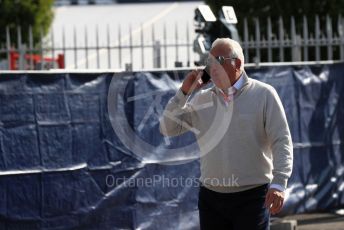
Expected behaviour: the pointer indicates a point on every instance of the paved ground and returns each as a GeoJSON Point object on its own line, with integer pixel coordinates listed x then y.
{"type": "Point", "coordinates": [318, 221]}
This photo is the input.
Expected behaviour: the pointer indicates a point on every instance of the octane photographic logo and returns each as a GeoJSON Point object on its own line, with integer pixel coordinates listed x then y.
{"type": "Point", "coordinates": [151, 106]}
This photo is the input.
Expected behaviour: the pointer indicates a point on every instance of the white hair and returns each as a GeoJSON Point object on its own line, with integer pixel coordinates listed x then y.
{"type": "Point", "coordinates": [234, 46]}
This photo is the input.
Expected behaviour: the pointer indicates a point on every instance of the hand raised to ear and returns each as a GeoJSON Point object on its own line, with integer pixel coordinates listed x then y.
{"type": "Point", "coordinates": [192, 81]}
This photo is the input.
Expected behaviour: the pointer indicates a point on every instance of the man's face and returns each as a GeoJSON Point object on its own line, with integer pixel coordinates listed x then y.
{"type": "Point", "coordinates": [221, 75]}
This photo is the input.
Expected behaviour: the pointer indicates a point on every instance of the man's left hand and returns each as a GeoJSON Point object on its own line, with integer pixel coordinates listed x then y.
{"type": "Point", "coordinates": [274, 200]}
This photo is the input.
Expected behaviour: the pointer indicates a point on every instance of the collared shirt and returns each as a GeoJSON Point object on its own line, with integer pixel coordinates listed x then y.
{"type": "Point", "coordinates": [238, 84]}
{"type": "Point", "coordinates": [228, 96]}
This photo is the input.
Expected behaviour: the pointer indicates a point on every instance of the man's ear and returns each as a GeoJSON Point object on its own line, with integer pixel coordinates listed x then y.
{"type": "Point", "coordinates": [236, 63]}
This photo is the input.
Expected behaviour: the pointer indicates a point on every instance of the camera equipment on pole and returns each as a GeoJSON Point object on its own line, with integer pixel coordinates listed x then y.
{"type": "Point", "coordinates": [208, 28]}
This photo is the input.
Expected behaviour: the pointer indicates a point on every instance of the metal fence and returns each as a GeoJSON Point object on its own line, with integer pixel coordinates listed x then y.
{"type": "Point", "coordinates": [166, 47]}
{"type": "Point", "coordinates": [324, 42]}
{"type": "Point", "coordinates": [136, 49]}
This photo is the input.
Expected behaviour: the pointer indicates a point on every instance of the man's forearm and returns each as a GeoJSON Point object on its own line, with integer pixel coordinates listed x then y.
{"type": "Point", "coordinates": [175, 119]}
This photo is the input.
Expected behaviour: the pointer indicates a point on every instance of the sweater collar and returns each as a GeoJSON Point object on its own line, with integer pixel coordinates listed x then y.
{"type": "Point", "coordinates": [238, 85]}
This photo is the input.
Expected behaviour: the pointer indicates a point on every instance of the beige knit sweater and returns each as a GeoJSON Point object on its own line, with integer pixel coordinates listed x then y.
{"type": "Point", "coordinates": [243, 144]}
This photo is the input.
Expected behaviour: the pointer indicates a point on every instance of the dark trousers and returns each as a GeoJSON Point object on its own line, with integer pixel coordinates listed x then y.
{"type": "Point", "coordinates": [233, 211]}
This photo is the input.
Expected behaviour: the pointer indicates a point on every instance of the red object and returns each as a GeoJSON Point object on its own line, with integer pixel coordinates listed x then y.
{"type": "Point", "coordinates": [14, 56]}
{"type": "Point", "coordinates": [61, 61]}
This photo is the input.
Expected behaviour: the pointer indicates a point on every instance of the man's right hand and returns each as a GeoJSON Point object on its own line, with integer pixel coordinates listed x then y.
{"type": "Point", "coordinates": [192, 81]}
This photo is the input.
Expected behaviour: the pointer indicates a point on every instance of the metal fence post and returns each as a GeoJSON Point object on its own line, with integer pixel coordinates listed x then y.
{"type": "Point", "coordinates": [64, 46]}
{"type": "Point", "coordinates": [340, 29]}
{"type": "Point", "coordinates": [305, 39]}
{"type": "Point", "coordinates": [20, 49]}
{"type": "Point", "coordinates": [108, 45]}
{"type": "Point", "coordinates": [317, 38]}
{"type": "Point", "coordinates": [86, 46]}
{"type": "Point", "coordinates": [329, 39]}
{"type": "Point", "coordinates": [75, 49]}
{"type": "Point", "coordinates": [22, 53]}
{"type": "Point", "coordinates": [246, 40]}
{"type": "Point", "coordinates": [281, 39]}
{"type": "Point", "coordinates": [157, 54]}
{"type": "Point", "coordinates": [8, 47]}
{"type": "Point", "coordinates": [142, 48]}
{"type": "Point", "coordinates": [257, 41]}
{"type": "Point", "coordinates": [269, 34]}
{"type": "Point", "coordinates": [296, 52]}
{"type": "Point", "coordinates": [131, 46]}
{"type": "Point", "coordinates": [31, 51]}
{"type": "Point", "coordinates": [119, 46]}
{"type": "Point", "coordinates": [165, 44]}
{"type": "Point", "coordinates": [128, 67]}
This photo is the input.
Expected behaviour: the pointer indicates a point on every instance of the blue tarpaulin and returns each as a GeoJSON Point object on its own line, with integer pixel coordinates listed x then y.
{"type": "Point", "coordinates": [83, 150]}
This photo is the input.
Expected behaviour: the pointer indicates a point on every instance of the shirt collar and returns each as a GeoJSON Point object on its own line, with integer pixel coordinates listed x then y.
{"type": "Point", "coordinates": [237, 85]}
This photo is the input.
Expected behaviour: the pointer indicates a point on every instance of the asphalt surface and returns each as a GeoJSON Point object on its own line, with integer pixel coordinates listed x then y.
{"type": "Point", "coordinates": [318, 221]}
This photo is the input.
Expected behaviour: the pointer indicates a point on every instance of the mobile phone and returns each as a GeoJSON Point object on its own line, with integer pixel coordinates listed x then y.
{"type": "Point", "coordinates": [205, 76]}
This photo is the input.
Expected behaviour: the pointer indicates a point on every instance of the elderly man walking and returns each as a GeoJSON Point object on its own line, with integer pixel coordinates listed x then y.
{"type": "Point", "coordinates": [244, 174]}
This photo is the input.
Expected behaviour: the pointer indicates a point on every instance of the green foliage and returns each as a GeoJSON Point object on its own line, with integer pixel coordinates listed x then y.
{"type": "Point", "coordinates": [24, 13]}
